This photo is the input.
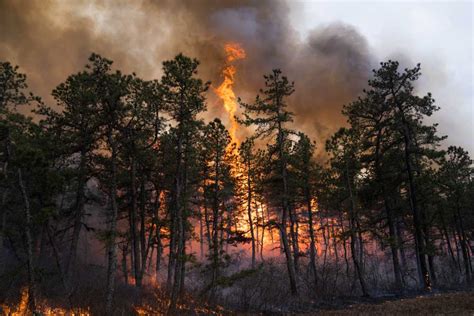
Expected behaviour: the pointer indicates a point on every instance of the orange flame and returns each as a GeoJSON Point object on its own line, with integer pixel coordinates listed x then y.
{"type": "Point", "coordinates": [43, 309]}
{"type": "Point", "coordinates": [233, 52]}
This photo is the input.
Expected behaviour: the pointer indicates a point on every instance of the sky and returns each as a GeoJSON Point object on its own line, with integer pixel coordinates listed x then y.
{"type": "Point", "coordinates": [327, 47]}
{"type": "Point", "coordinates": [437, 34]}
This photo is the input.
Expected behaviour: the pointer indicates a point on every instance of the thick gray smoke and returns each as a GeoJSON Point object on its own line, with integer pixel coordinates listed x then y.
{"type": "Point", "coordinates": [52, 39]}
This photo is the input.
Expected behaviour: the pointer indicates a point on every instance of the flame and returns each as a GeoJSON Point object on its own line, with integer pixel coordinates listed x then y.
{"type": "Point", "coordinates": [22, 308]}
{"type": "Point", "coordinates": [225, 91]}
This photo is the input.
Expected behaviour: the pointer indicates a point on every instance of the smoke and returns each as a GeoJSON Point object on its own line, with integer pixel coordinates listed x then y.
{"type": "Point", "coordinates": [51, 39]}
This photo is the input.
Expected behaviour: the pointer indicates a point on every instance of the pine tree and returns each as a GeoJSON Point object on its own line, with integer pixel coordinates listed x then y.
{"type": "Point", "coordinates": [183, 100]}
{"type": "Point", "coordinates": [455, 175]}
{"type": "Point", "coordinates": [306, 170]}
{"type": "Point", "coordinates": [344, 149]}
{"type": "Point", "coordinates": [268, 113]}
{"type": "Point", "coordinates": [391, 115]}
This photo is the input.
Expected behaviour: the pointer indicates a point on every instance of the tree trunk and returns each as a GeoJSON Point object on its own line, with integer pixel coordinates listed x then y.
{"type": "Point", "coordinates": [286, 246]}
{"type": "Point", "coordinates": [133, 224]}
{"type": "Point", "coordinates": [215, 228]}
{"type": "Point", "coordinates": [124, 264]}
{"type": "Point", "coordinates": [417, 218]}
{"type": "Point", "coordinates": [112, 247]}
{"type": "Point", "coordinates": [174, 217]}
{"type": "Point", "coordinates": [249, 212]}
{"type": "Point", "coordinates": [448, 245]}
{"type": "Point", "coordinates": [58, 264]}
{"type": "Point", "coordinates": [352, 222]}
{"type": "Point", "coordinates": [144, 245]}
{"type": "Point", "coordinates": [180, 260]}
{"type": "Point", "coordinates": [29, 245]}
{"type": "Point", "coordinates": [390, 217]}
{"type": "Point", "coordinates": [312, 245]}
{"type": "Point", "coordinates": [462, 242]}
{"type": "Point", "coordinates": [393, 244]}
{"type": "Point", "coordinates": [78, 214]}
{"type": "Point", "coordinates": [294, 238]}
{"type": "Point", "coordinates": [159, 250]}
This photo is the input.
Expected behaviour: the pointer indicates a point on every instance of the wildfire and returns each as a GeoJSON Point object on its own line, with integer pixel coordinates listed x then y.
{"type": "Point", "coordinates": [42, 309]}
{"type": "Point", "coordinates": [225, 91]}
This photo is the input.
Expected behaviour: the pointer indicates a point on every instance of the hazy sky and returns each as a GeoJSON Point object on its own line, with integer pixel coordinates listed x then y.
{"type": "Point", "coordinates": [439, 35]}
{"type": "Point", "coordinates": [328, 48]}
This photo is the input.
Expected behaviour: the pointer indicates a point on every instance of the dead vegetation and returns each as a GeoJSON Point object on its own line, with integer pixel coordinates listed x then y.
{"type": "Point", "coordinates": [437, 304]}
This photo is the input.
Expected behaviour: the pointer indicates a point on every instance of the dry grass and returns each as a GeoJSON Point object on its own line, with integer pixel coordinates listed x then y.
{"type": "Point", "coordinates": [437, 304]}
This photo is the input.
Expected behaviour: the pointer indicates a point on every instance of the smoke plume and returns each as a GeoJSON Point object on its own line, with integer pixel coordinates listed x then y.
{"type": "Point", "coordinates": [51, 39]}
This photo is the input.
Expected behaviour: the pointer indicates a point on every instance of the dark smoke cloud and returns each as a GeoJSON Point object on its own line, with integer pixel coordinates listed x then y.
{"type": "Point", "coordinates": [52, 39]}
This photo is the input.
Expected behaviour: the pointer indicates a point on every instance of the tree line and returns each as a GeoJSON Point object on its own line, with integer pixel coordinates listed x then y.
{"type": "Point", "coordinates": [165, 177]}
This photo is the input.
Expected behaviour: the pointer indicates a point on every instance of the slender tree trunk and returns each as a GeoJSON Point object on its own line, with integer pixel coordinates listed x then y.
{"type": "Point", "coordinates": [124, 263]}
{"type": "Point", "coordinates": [393, 244]}
{"type": "Point", "coordinates": [352, 222]}
{"type": "Point", "coordinates": [144, 244]}
{"type": "Point", "coordinates": [448, 245]}
{"type": "Point", "coordinates": [201, 234]}
{"type": "Point", "coordinates": [78, 214]}
{"type": "Point", "coordinates": [417, 218]}
{"type": "Point", "coordinates": [133, 224]}
{"type": "Point", "coordinates": [390, 217]}
{"type": "Point", "coordinates": [57, 258]}
{"type": "Point", "coordinates": [294, 238]}
{"type": "Point", "coordinates": [249, 212]}
{"type": "Point", "coordinates": [430, 256]}
{"type": "Point", "coordinates": [462, 243]}
{"type": "Point", "coordinates": [180, 261]}
{"type": "Point", "coordinates": [208, 228]}
{"type": "Point", "coordinates": [215, 227]}
{"type": "Point", "coordinates": [112, 247]}
{"type": "Point", "coordinates": [262, 235]}
{"type": "Point", "coordinates": [334, 242]}
{"type": "Point", "coordinates": [2, 234]}
{"type": "Point", "coordinates": [401, 249]}
{"type": "Point", "coordinates": [258, 228]}
{"type": "Point", "coordinates": [159, 250]}
{"type": "Point", "coordinates": [286, 246]}
{"type": "Point", "coordinates": [344, 244]}
{"type": "Point", "coordinates": [29, 245]}
{"type": "Point", "coordinates": [174, 215]}
{"type": "Point", "coordinates": [312, 245]}
{"type": "Point", "coordinates": [360, 243]}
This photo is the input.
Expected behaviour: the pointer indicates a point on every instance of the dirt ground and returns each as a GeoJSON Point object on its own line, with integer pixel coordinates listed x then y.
{"type": "Point", "coordinates": [436, 304]}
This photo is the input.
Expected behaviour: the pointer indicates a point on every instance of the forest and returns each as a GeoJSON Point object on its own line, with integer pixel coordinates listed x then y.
{"type": "Point", "coordinates": [122, 199]}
